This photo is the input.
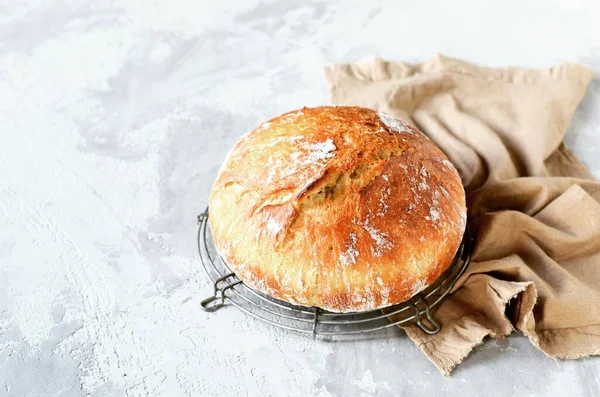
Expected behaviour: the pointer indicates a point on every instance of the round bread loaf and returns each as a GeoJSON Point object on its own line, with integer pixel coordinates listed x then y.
{"type": "Point", "coordinates": [342, 208]}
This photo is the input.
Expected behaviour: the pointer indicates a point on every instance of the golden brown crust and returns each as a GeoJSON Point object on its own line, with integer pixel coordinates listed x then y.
{"type": "Point", "coordinates": [342, 208]}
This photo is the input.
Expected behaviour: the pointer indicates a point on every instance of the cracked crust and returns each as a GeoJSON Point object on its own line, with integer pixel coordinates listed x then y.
{"type": "Point", "coordinates": [342, 208]}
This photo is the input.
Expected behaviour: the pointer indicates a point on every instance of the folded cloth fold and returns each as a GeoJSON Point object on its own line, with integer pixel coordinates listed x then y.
{"type": "Point", "coordinates": [533, 206]}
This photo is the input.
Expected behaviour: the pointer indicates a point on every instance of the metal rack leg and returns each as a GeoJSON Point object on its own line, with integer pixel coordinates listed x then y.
{"type": "Point", "coordinates": [315, 322]}
{"type": "Point", "coordinates": [217, 300]}
{"type": "Point", "coordinates": [435, 326]}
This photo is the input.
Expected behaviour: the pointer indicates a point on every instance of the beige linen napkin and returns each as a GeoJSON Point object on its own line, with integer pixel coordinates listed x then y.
{"type": "Point", "coordinates": [533, 206]}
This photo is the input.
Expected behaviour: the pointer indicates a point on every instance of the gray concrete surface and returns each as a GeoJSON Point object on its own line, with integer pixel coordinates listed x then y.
{"type": "Point", "coordinates": [114, 118]}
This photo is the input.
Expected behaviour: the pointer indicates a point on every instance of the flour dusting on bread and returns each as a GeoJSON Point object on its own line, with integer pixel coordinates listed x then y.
{"type": "Point", "coordinates": [383, 207]}
{"type": "Point", "coordinates": [313, 153]}
{"type": "Point", "coordinates": [418, 286]}
{"type": "Point", "coordinates": [393, 124]}
{"type": "Point", "coordinates": [321, 150]}
{"type": "Point", "coordinates": [273, 225]}
{"type": "Point", "coordinates": [349, 256]}
{"type": "Point", "coordinates": [434, 214]}
{"type": "Point", "coordinates": [380, 238]}
{"type": "Point", "coordinates": [447, 163]}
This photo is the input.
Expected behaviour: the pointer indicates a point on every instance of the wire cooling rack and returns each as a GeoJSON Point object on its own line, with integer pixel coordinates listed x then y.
{"type": "Point", "coordinates": [229, 289]}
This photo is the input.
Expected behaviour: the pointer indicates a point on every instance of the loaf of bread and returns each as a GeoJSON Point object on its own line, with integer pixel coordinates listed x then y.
{"type": "Point", "coordinates": [342, 208]}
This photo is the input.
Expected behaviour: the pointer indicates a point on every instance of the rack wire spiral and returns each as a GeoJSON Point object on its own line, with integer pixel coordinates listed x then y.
{"type": "Point", "coordinates": [227, 287]}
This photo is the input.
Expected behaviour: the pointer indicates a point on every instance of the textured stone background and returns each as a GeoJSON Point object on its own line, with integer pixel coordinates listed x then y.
{"type": "Point", "coordinates": [114, 117]}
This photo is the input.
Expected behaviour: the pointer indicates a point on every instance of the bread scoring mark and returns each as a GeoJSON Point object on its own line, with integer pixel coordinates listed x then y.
{"type": "Point", "coordinates": [393, 124]}
{"type": "Point", "coordinates": [349, 256]}
{"type": "Point", "coordinates": [289, 177]}
{"type": "Point", "coordinates": [274, 219]}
